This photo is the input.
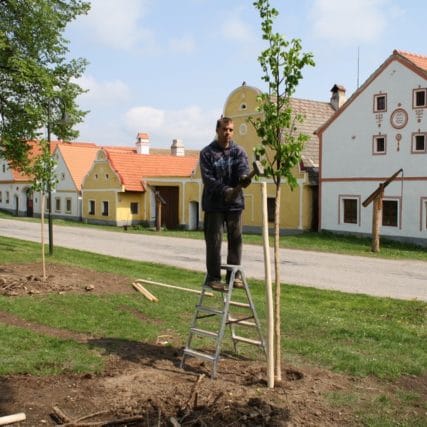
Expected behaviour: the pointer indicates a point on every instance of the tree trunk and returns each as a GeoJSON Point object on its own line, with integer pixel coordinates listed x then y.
{"type": "Point", "coordinates": [42, 195]}
{"type": "Point", "coordinates": [277, 337]}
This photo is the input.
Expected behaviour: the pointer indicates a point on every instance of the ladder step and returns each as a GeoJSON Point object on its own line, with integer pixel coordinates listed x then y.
{"type": "Point", "coordinates": [199, 354]}
{"type": "Point", "coordinates": [241, 322]}
{"type": "Point", "coordinates": [209, 310]}
{"type": "Point", "coordinates": [247, 340]}
{"type": "Point", "coordinates": [204, 333]}
{"type": "Point", "coordinates": [240, 304]}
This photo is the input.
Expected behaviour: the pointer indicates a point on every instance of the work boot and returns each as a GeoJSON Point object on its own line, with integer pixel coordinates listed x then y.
{"type": "Point", "coordinates": [238, 283]}
{"type": "Point", "coordinates": [216, 285]}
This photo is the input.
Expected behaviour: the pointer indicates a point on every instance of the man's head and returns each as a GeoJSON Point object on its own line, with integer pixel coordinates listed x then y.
{"type": "Point", "coordinates": [224, 130]}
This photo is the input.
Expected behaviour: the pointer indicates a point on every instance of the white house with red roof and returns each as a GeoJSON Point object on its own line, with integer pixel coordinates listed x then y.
{"type": "Point", "coordinates": [73, 161]}
{"type": "Point", "coordinates": [381, 129]}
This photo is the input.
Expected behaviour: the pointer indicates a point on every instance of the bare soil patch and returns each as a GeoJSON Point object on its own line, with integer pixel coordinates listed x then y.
{"type": "Point", "coordinates": [143, 384]}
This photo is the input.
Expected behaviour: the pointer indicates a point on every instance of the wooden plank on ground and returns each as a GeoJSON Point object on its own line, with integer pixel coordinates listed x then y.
{"type": "Point", "coordinates": [145, 292]}
{"type": "Point", "coordinates": [150, 282]}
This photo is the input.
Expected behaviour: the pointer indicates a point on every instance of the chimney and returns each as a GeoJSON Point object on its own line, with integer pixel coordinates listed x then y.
{"type": "Point", "coordinates": [142, 143]}
{"type": "Point", "coordinates": [177, 148]}
{"type": "Point", "coordinates": [338, 97]}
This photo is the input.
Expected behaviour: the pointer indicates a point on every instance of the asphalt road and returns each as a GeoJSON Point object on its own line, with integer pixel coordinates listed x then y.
{"type": "Point", "coordinates": [388, 278]}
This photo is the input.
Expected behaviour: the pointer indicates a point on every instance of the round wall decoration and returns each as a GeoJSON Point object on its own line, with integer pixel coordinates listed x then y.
{"type": "Point", "coordinates": [243, 128]}
{"type": "Point", "coordinates": [399, 118]}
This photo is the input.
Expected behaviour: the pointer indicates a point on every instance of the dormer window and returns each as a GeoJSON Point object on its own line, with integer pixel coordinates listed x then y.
{"type": "Point", "coordinates": [420, 98]}
{"type": "Point", "coordinates": [380, 103]}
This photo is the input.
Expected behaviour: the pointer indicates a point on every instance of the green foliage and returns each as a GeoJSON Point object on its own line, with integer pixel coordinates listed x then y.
{"type": "Point", "coordinates": [36, 79]}
{"type": "Point", "coordinates": [42, 170]}
{"type": "Point", "coordinates": [282, 63]}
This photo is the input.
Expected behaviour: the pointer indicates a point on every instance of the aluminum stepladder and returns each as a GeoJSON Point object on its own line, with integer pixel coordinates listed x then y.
{"type": "Point", "coordinates": [246, 317]}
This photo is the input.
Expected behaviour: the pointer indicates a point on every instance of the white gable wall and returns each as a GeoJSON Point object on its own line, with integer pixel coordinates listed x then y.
{"type": "Point", "coordinates": [350, 169]}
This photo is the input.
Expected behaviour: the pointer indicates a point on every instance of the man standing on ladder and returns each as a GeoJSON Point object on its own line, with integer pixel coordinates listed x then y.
{"type": "Point", "coordinates": [225, 171]}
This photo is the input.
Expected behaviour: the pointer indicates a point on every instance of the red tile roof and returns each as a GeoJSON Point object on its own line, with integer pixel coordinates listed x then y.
{"type": "Point", "coordinates": [79, 159]}
{"type": "Point", "coordinates": [35, 151]}
{"type": "Point", "coordinates": [134, 168]}
{"type": "Point", "coordinates": [419, 60]}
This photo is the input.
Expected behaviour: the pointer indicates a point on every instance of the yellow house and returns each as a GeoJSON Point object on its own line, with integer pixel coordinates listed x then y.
{"type": "Point", "coordinates": [298, 207]}
{"type": "Point", "coordinates": [124, 187]}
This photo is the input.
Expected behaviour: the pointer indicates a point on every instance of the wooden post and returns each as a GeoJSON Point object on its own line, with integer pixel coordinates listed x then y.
{"type": "Point", "coordinates": [268, 289]}
{"type": "Point", "coordinates": [376, 222]}
{"type": "Point", "coordinates": [159, 215]}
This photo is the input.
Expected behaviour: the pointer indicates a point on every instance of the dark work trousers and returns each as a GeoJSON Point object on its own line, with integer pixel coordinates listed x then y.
{"type": "Point", "coordinates": [214, 228]}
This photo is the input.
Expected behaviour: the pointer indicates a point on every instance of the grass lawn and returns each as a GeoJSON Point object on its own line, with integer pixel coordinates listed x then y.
{"type": "Point", "coordinates": [356, 335]}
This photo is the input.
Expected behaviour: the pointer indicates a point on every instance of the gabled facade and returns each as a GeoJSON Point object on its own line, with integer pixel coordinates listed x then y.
{"type": "Point", "coordinates": [73, 161]}
{"type": "Point", "coordinates": [122, 185]}
{"type": "Point", "coordinates": [382, 128]}
{"type": "Point", "coordinates": [298, 207]}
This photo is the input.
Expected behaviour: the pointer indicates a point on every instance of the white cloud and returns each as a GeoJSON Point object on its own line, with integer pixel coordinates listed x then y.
{"type": "Point", "coordinates": [103, 93]}
{"type": "Point", "coordinates": [185, 44]}
{"type": "Point", "coordinates": [191, 124]}
{"type": "Point", "coordinates": [350, 21]}
{"type": "Point", "coordinates": [141, 118]}
{"type": "Point", "coordinates": [117, 23]}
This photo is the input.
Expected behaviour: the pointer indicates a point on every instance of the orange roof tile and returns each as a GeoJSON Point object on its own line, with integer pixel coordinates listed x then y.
{"type": "Point", "coordinates": [34, 151]}
{"type": "Point", "coordinates": [133, 168]}
{"type": "Point", "coordinates": [78, 158]}
{"type": "Point", "coordinates": [419, 60]}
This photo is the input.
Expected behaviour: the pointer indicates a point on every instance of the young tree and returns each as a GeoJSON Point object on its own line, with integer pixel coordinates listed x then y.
{"type": "Point", "coordinates": [44, 181]}
{"type": "Point", "coordinates": [37, 83]}
{"type": "Point", "coordinates": [280, 143]}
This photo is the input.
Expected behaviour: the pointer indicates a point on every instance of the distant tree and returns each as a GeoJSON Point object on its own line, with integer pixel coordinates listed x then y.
{"type": "Point", "coordinates": [280, 144]}
{"type": "Point", "coordinates": [37, 82]}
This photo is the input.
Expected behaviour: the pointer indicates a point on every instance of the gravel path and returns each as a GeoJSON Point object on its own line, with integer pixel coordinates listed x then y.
{"type": "Point", "coordinates": [404, 279]}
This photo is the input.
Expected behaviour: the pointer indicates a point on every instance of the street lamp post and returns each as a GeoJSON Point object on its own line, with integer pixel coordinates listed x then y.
{"type": "Point", "coordinates": [49, 188]}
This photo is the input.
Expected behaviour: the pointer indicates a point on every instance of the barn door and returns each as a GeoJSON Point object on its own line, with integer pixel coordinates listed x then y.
{"type": "Point", "coordinates": [170, 218]}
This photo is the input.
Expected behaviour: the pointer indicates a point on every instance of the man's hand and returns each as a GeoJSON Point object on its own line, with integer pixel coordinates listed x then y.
{"type": "Point", "coordinates": [230, 193]}
{"type": "Point", "coordinates": [245, 180]}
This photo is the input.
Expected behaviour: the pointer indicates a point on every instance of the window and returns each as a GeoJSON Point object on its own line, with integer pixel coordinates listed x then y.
{"type": "Point", "coordinates": [419, 142]}
{"type": "Point", "coordinates": [105, 208]}
{"type": "Point", "coordinates": [91, 207]}
{"type": "Point", "coordinates": [420, 98]}
{"type": "Point", "coordinates": [350, 209]}
{"type": "Point", "coordinates": [271, 206]}
{"type": "Point", "coordinates": [7, 197]}
{"type": "Point", "coordinates": [134, 207]}
{"type": "Point", "coordinates": [379, 144]}
{"type": "Point", "coordinates": [380, 103]}
{"type": "Point", "coordinates": [4, 168]}
{"type": "Point", "coordinates": [390, 210]}
{"type": "Point", "coordinates": [68, 205]}
{"type": "Point", "coordinates": [423, 214]}
{"type": "Point", "coordinates": [57, 204]}
{"type": "Point", "coordinates": [1, 196]}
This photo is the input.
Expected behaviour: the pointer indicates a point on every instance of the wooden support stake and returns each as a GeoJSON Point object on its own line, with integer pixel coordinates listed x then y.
{"type": "Point", "coordinates": [10, 419]}
{"type": "Point", "coordinates": [144, 292]}
{"type": "Point", "coordinates": [268, 289]}
{"type": "Point", "coordinates": [210, 294]}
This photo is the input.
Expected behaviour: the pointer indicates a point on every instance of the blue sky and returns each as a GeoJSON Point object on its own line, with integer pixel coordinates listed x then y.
{"type": "Point", "coordinates": [166, 67]}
